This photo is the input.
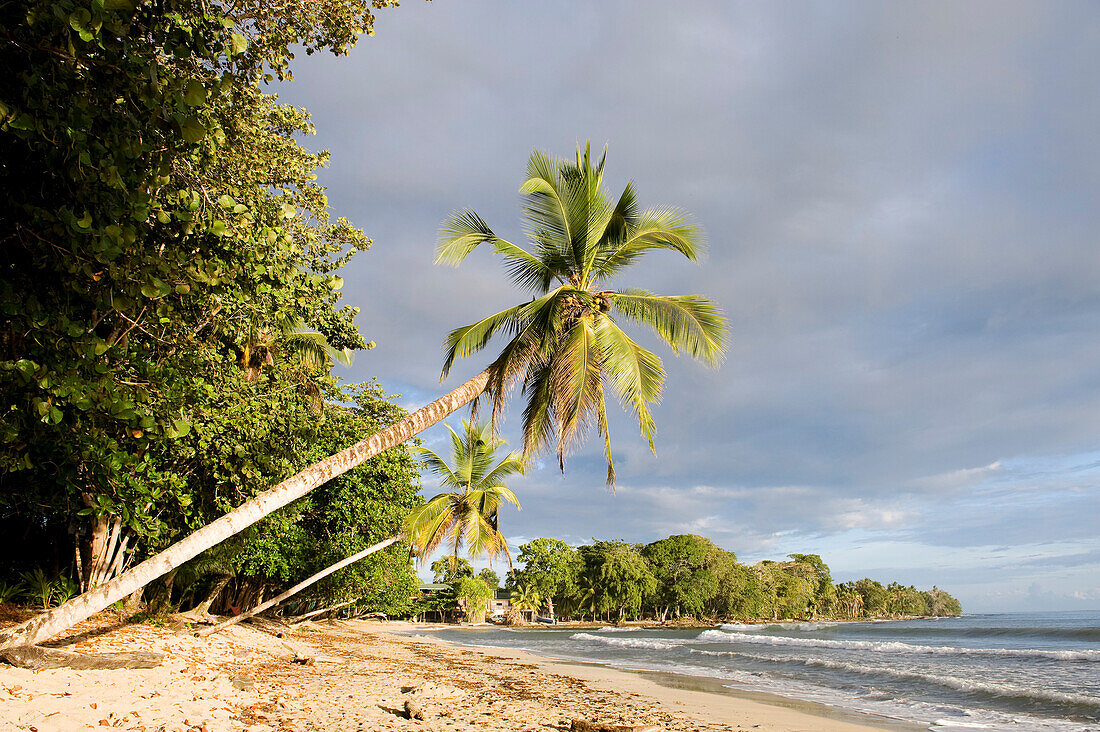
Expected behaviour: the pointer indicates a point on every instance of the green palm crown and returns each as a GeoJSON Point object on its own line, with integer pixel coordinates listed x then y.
{"type": "Point", "coordinates": [566, 343]}
{"type": "Point", "coordinates": [468, 513]}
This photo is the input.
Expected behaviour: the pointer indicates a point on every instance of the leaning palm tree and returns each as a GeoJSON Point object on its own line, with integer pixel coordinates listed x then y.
{"type": "Point", "coordinates": [565, 345]}
{"type": "Point", "coordinates": [468, 513]}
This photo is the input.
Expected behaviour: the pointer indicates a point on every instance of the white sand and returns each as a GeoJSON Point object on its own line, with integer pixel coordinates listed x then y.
{"type": "Point", "coordinates": [244, 679]}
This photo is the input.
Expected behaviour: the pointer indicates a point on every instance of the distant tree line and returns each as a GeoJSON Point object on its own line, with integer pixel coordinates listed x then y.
{"type": "Point", "coordinates": [689, 576]}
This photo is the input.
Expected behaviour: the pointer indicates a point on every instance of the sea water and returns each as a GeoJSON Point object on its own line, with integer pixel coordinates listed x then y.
{"type": "Point", "coordinates": [1019, 671]}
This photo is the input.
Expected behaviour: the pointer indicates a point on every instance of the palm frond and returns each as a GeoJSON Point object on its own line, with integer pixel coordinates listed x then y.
{"type": "Point", "coordinates": [465, 230]}
{"type": "Point", "coordinates": [606, 432]}
{"type": "Point", "coordinates": [539, 421]}
{"type": "Point", "coordinates": [655, 228]}
{"type": "Point", "coordinates": [624, 219]}
{"type": "Point", "coordinates": [684, 322]}
{"type": "Point", "coordinates": [469, 339]}
{"type": "Point", "coordinates": [532, 343]}
{"type": "Point", "coordinates": [460, 235]}
{"type": "Point", "coordinates": [437, 465]}
{"type": "Point", "coordinates": [512, 464]}
{"type": "Point", "coordinates": [546, 218]}
{"type": "Point", "coordinates": [575, 381]}
{"type": "Point", "coordinates": [636, 374]}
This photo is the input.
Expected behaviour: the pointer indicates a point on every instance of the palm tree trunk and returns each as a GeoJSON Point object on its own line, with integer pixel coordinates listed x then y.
{"type": "Point", "coordinates": [203, 608]}
{"type": "Point", "coordinates": [299, 619]}
{"type": "Point", "coordinates": [84, 606]}
{"type": "Point", "coordinates": [299, 587]}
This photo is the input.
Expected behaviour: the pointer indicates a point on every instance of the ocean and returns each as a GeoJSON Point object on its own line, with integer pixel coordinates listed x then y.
{"type": "Point", "coordinates": [1013, 671]}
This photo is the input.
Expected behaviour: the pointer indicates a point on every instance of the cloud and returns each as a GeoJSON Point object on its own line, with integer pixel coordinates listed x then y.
{"type": "Point", "coordinates": [899, 204]}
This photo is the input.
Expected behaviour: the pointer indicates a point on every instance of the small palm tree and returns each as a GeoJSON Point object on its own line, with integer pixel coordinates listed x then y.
{"type": "Point", "coordinates": [469, 513]}
{"type": "Point", "coordinates": [287, 338]}
{"type": "Point", "coordinates": [526, 597]}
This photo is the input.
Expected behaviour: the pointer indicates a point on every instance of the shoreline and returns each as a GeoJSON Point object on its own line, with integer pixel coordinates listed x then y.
{"type": "Point", "coordinates": [361, 675]}
{"type": "Point", "coordinates": [663, 686]}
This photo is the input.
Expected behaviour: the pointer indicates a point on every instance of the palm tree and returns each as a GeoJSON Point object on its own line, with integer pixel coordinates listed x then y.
{"type": "Point", "coordinates": [287, 338]}
{"type": "Point", "coordinates": [468, 514]}
{"type": "Point", "coordinates": [526, 597]}
{"type": "Point", "coordinates": [565, 344]}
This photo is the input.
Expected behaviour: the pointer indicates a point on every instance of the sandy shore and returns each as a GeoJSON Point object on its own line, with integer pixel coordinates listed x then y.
{"type": "Point", "coordinates": [361, 677]}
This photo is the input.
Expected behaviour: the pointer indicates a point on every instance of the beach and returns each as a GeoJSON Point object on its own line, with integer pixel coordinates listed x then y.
{"type": "Point", "coordinates": [358, 677]}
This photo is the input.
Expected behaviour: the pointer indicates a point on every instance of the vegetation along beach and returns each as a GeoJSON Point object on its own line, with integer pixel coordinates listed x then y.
{"type": "Point", "coordinates": [601, 367]}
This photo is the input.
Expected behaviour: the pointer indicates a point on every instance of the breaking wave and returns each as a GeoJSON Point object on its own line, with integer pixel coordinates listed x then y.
{"type": "Point", "coordinates": [651, 643]}
{"type": "Point", "coordinates": [718, 636]}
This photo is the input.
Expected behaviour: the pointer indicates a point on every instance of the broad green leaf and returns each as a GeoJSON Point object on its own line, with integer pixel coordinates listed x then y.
{"type": "Point", "coordinates": [79, 19]}
{"type": "Point", "coordinates": [195, 93]}
{"type": "Point", "coordinates": [193, 130]}
{"type": "Point", "coordinates": [238, 44]}
{"type": "Point", "coordinates": [156, 288]}
{"type": "Point", "coordinates": [23, 122]}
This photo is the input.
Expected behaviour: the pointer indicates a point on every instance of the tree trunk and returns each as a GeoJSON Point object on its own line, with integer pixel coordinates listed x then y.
{"type": "Point", "coordinates": [299, 587]}
{"type": "Point", "coordinates": [84, 606]}
{"type": "Point", "coordinates": [203, 608]}
{"type": "Point", "coordinates": [297, 619]}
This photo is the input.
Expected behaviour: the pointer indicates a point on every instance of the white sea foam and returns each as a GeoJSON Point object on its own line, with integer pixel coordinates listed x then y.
{"type": "Point", "coordinates": [940, 723]}
{"type": "Point", "coordinates": [951, 682]}
{"type": "Point", "coordinates": [614, 629]}
{"type": "Point", "coordinates": [656, 644]}
{"type": "Point", "coordinates": [718, 636]}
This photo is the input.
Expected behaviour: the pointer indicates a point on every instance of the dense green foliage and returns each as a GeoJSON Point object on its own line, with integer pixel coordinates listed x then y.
{"type": "Point", "coordinates": [490, 578]}
{"type": "Point", "coordinates": [169, 289]}
{"type": "Point", "coordinates": [472, 594]}
{"type": "Point", "coordinates": [451, 569]}
{"type": "Point", "coordinates": [353, 511]}
{"type": "Point", "coordinates": [688, 576]}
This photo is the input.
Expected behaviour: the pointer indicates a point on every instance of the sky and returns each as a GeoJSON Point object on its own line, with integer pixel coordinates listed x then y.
{"type": "Point", "coordinates": [901, 208]}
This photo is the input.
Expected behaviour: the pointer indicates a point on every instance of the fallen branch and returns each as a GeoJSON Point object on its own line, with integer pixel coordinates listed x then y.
{"type": "Point", "coordinates": [37, 657]}
{"type": "Point", "coordinates": [581, 725]}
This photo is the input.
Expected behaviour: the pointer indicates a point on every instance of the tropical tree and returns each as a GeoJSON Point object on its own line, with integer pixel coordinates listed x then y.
{"type": "Point", "coordinates": [565, 344]}
{"type": "Point", "coordinates": [490, 578]}
{"type": "Point", "coordinates": [552, 567]}
{"type": "Point", "coordinates": [679, 564]}
{"type": "Point", "coordinates": [526, 597]}
{"type": "Point", "coordinates": [448, 570]}
{"type": "Point", "coordinates": [473, 595]}
{"type": "Point", "coordinates": [469, 514]}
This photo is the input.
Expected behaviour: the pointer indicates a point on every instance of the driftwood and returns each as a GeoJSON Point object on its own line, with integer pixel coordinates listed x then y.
{"type": "Point", "coordinates": [582, 725]}
{"type": "Point", "coordinates": [413, 712]}
{"type": "Point", "coordinates": [37, 657]}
